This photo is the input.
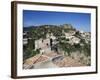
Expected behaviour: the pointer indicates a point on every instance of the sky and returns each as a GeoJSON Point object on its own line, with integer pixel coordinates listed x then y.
{"type": "Point", "coordinates": [80, 21]}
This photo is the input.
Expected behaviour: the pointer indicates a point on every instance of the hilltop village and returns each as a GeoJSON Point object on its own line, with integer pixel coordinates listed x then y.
{"type": "Point", "coordinates": [49, 46]}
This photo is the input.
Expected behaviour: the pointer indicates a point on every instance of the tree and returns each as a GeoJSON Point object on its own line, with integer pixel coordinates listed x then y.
{"type": "Point", "coordinates": [30, 53]}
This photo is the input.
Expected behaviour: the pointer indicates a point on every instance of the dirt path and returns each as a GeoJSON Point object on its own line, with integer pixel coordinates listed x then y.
{"type": "Point", "coordinates": [68, 62]}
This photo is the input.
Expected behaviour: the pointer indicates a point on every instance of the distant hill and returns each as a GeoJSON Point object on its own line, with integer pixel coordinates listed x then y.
{"type": "Point", "coordinates": [28, 28]}
{"type": "Point", "coordinates": [64, 26]}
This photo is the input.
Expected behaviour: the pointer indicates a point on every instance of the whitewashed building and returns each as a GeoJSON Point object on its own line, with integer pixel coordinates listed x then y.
{"type": "Point", "coordinates": [42, 43]}
{"type": "Point", "coordinates": [69, 34]}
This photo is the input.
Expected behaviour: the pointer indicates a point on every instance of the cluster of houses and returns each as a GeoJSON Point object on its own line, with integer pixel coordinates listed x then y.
{"type": "Point", "coordinates": [45, 45]}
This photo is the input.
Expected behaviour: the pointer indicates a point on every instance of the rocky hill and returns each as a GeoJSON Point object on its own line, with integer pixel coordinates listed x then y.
{"type": "Point", "coordinates": [66, 40]}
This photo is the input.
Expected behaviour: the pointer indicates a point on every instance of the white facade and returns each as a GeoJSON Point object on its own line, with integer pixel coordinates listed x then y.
{"type": "Point", "coordinates": [42, 43]}
{"type": "Point", "coordinates": [75, 40]}
{"type": "Point", "coordinates": [25, 41]}
{"type": "Point", "coordinates": [69, 34]}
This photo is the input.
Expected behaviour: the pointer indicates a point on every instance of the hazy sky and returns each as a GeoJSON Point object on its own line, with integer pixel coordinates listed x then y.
{"type": "Point", "coordinates": [80, 21]}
